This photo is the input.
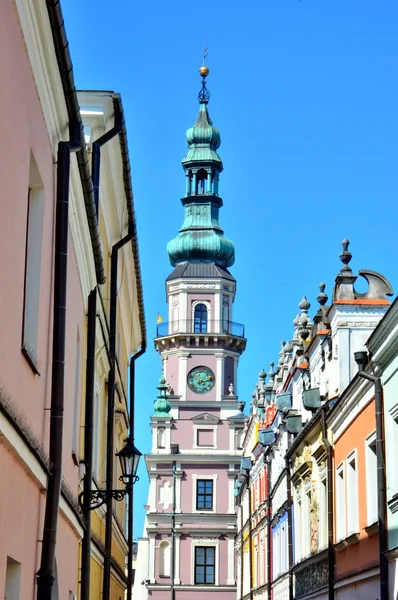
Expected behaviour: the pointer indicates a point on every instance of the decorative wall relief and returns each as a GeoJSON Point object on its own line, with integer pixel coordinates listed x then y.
{"type": "Point", "coordinates": [312, 577]}
{"type": "Point", "coordinates": [314, 518]}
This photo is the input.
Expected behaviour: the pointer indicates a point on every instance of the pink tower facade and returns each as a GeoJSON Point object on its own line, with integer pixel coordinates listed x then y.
{"type": "Point", "coordinates": [188, 543]}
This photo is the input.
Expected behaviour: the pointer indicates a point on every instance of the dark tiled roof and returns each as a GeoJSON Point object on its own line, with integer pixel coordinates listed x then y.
{"type": "Point", "coordinates": [199, 270]}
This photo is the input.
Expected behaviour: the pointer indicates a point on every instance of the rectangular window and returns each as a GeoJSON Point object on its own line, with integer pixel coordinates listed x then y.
{"type": "Point", "coordinates": [340, 504]}
{"type": "Point", "coordinates": [204, 494]}
{"type": "Point", "coordinates": [34, 235]}
{"type": "Point", "coordinates": [13, 579]}
{"type": "Point", "coordinates": [323, 514]}
{"type": "Point", "coordinates": [352, 495]}
{"type": "Point", "coordinates": [205, 437]}
{"type": "Point", "coordinates": [371, 479]}
{"type": "Point", "coordinates": [205, 562]}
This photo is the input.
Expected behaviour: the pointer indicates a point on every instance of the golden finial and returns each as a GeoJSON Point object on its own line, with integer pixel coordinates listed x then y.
{"type": "Point", "coordinates": [204, 71]}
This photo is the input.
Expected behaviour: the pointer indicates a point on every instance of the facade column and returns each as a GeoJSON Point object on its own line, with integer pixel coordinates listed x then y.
{"type": "Point", "coordinates": [231, 561]}
{"type": "Point", "coordinates": [178, 491]}
{"type": "Point", "coordinates": [219, 375]}
{"type": "Point", "coordinates": [182, 374]}
{"type": "Point", "coordinates": [151, 570]}
{"type": "Point", "coordinates": [177, 539]}
{"type": "Point", "coordinates": [209, 182]}
{"type": "Point", "coordinates": [152, 492]}
{"type": "Point", "coordinates": [231, 485]}
{"type": "Point", "coordinates": [195, 184]}
{"type": "Point", "coordinates": [188, 185]}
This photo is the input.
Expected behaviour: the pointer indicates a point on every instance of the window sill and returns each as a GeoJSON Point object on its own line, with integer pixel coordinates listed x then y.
{"type": "Point", "coordinates": [30, 360]}
{"type": "Point", "coordinates": [348, 541]}
{"type": "Point", "coordinates": [372, 529]}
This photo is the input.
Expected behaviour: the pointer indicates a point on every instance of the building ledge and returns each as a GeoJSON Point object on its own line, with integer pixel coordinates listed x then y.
{"type": "Point", "coordinates": [372, 529]}
{"type": "Point", "coordinates": [348, 541]}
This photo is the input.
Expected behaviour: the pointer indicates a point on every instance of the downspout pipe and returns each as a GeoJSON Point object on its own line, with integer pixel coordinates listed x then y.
{"type": "Point", "coordinates": [381, 482]}
{"type": "Point", "coordinates": [173, 535]}
{"type": "Point", "coordinates": [130, 495]}
{"type": "Point", "coordinates": [329, 467]}
{"type": "Point", "coordinates": [269, 531]}
{"type": "Point", "coordinates": [45, 576]}
{"type": "Point", "coordinates": [250, 537]}
{"type": "Point", "coordinates": [65, 66]}
{"type": "Point", "coordinates": [111, 410]}
{"type": "Point", "coordinates": [289, 521]}
{"type": "Point", "coordinates": [96, 156]}
{"type": "Point", "coordinates": [88, 444]}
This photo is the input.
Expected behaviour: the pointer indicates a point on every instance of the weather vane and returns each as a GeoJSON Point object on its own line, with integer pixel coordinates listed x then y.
{"type": "Point", "coordinates": [204, 94]}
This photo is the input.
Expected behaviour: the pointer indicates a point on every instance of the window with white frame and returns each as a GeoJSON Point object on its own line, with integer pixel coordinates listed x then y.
{"type": "Point", "coordinates": [352, 494]}
{"type": "Point", "coordinates": [306, 524]}
{"type": "Point", "coordinates": [323, 513]}
{"type": "Point", "coordinates": [205, 565]}
{"type": "Point", "coordinates": [34, 238]}
{"type": "Point", "coordinates": [297, 508]}
{"type": "Point", "coordinates": [340, 503]}
{"type": "Point", "coordinates": [371, 479]}
{"type": "Point", "coordinates": [204, 494]}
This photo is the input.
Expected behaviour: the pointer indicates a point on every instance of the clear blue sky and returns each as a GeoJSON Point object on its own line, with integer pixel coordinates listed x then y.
{"type": "Point", "coordinates": [305, 95]}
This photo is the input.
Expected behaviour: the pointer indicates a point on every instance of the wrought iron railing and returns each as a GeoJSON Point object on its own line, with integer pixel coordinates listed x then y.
{"type": "Point", "coordinates": [200, 328]}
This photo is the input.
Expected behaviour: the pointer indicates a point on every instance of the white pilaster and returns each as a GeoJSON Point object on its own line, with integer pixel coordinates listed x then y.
{"type": "Point", "coordinates": [182, 374]}
{"type": "Point", "coordinates": [177, 540]}
{"type": "Point", "coordinates": [152, 492]}
{"type": "Point", "coordinates": [219, 375]}
{"type": "Point", "coordinates": [151, 569]}
{"type": "Point", "coordinates": [178, 492]}
{"type": "Point", "coordinates": [231, 561]}
{"type": "Point", "coordinates": [231, 497]}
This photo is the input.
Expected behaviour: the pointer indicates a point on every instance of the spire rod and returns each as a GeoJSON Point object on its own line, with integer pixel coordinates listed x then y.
{"type": "Point", "coordinates": [204, 94]}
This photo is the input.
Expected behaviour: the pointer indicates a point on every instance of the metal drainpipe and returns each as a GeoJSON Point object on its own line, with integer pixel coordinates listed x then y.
{"type": "Point", "coordinates": [381, 482]}
{"type": "Point", "coordinates": [45, 575]}
{"type": "Point", "coordinates": [289, 520]}
{"type": "Point", "coordinates": [90, 374]}
{"type": "Point", "coordinates": [250, 538]}
{"type": "Point", "coordinates": [269, 514]}
{"type": "Point", "coordinates": [329, 462]}
{"type": "Point", "coordinates": [111, 410]}
{"type": "Point", "coordinates": [173, 527]}
{"type": "Point", "coordinates": [88, 444]}
{"type": "Point", "coordinates": [241, 548]}
{"type": "Point", "coordinates": [130, 496]}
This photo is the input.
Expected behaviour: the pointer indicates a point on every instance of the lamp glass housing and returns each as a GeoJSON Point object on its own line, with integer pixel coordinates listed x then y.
{"type": "Point", "coordinates": [129, 457]}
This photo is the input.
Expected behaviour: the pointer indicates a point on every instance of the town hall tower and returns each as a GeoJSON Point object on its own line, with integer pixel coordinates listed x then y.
{"type": "Point", "coordinates": [197, 425]}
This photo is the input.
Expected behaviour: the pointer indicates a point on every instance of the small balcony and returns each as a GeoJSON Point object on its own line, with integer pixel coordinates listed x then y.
{"type": "Point", "coordinates": [192, 326]}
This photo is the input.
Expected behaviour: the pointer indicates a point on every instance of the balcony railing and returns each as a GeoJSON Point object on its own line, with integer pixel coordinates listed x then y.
{"type": "Point", "coordinates": [200, 328]}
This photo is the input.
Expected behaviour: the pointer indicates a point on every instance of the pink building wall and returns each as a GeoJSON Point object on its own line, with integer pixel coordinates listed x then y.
{"type": "Point", "coordinates": [205, 470]}
{"type": "Point", "coordinates": [23, 133]}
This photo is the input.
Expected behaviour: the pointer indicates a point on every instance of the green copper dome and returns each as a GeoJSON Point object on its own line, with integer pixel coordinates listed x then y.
{"type": "Point", "coordinates": [162, 405]}
{"type": "Point", "coordinates": [201, 238]}
{"type": "Point", "coordinates": [203, 140]}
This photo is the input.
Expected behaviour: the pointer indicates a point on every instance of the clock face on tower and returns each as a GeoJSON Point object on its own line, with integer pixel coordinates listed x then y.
{"type": "Point", "coordinates": [201, 380]}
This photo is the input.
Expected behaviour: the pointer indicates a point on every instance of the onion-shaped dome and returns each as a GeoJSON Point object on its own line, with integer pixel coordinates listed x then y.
{"type": "Point", "coordinates": [202, 245]}
{"type": "Point", "coordinates": [203, 140]}
{"type": "Point", "coordinates": [162, 405]}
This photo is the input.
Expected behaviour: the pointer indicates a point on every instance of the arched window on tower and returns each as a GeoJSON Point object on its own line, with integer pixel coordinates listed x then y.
{"type": "Point", "coordinates": [164, 559]}
{"type": "Point", "coordinates": [161, 437]}
{"type": "Point", "coordinates": [201, 182]}
{"type": "Point", "coordinates": [200, 319]}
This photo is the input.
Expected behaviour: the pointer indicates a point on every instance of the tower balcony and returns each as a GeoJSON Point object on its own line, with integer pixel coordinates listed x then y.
{"type": "Point", "coordinates": [192, 327]}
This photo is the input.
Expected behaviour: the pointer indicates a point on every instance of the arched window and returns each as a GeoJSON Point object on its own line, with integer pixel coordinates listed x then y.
{"type": "Point", "coordinates": [161, 437]}
{"type": "Point", "coordinates": [201, 182]}
{"type": "Point", "coordinates": [200, 319]}
{"type": "Point", "coordinates": [164, 559]}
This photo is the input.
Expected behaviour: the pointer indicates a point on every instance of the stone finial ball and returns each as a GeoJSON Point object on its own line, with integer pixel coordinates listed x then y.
{"type": "Point", "coordinates": [204, 71]}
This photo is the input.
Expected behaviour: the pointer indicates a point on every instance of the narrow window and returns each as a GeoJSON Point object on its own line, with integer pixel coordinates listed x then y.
{"type": "Point", "coordinates": [13, 579]}
{"type": "Point", "coordinates": [164, 559]}
{"type": "Point", "coordinates": [34, 235]}
{"type": "Point", "coordinates": [340, 504]}
{"type": "Point", "coordinates": [352, 496]}
{"type": "Point", "coordinates": [161, 437]}
{"type": "Point", "coordinates": [323, 514]}
{"type": "Point", "coordinates": [200, 319]}
{"type": "Point", "coordinates": [371, 479]}
{"type": "Point", "coordinates": [204, 494]}
{"type": "Point", "coordinates": [205, 562]}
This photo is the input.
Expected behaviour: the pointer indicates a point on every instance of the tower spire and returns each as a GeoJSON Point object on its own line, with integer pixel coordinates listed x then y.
{"type": "Point", "coordinates": [201, 238]}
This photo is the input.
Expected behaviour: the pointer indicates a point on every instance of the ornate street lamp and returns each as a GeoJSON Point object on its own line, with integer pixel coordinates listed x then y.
{"type": "Point", "coordinates": [129, 457]}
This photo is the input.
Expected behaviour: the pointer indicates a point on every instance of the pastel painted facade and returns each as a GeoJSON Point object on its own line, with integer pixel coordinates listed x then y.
{"type": "Point", "coordinates": [33, 87]}
{"type": "Point", "coordinates": [318, 450]}
{"type": "Point", "coordinates": [383, 347]}
{"type": "Point", "coordinates": [188, 544]}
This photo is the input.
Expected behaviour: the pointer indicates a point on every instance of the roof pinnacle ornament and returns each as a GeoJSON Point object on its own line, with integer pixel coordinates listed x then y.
{"type": "Point", "coordinates": [204, 94]}
{"type": "Point", "coordinates": [162, 405]}
{"type": "Point", "coordinates": [322, 297]}
{"type": "Point", "coordinates": [345, 256]}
